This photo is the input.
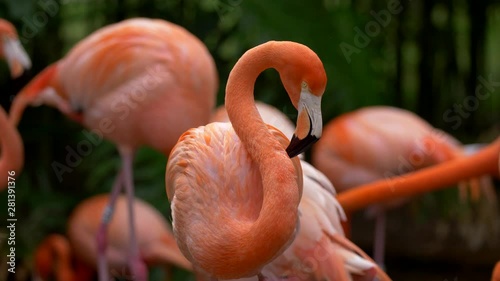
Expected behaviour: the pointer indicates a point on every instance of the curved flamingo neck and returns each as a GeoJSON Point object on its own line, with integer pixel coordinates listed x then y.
{"type": "Point", "coordinates": [30, 93]}
{"type": "Point", "coordinates": [486, 161]}
{"type": "Point", "coordinates": [11, 150]}
{"type": "Point", "coordinates": [281, 179]}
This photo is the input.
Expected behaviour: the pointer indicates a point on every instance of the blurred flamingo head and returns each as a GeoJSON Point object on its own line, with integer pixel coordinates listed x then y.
{"type": "Point", "coordinates": [12, 50]}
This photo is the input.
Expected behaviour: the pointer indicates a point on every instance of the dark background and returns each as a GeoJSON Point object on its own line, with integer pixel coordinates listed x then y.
{"type": "Point", "coordinates": [424, 56]}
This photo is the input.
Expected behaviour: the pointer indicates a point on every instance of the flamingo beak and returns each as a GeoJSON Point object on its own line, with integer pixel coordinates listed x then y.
{"type": "Point", "coordinates": [309, 123]}
{"type": "Point", "coordinates": [16, 56]}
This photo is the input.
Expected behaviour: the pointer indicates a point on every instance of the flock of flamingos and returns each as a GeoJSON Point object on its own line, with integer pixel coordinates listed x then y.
{"type": "Point", "coordinates": [245, 204]}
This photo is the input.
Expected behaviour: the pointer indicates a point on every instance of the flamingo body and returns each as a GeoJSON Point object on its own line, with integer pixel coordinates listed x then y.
{"type": "Point", "coordinates": [58, 254]}
{"type": "Point", "coordinates": [377, 142]}
{"type": "Point", "coordinates": [130, 81]}
{"type": "Point", "coordinates": [236, 196]}
{"type": "Point", "coordinates": [154, 236]}
{"type": "Point", "coordinates": [380, 142]}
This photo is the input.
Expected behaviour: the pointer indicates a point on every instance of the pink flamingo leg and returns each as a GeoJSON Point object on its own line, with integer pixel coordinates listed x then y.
{"type": "Point", "coordinates": [379, 243]}
{"type": "Point", "coordinates": [137, 267]}
{"type": "Point", "coordinates": [102, 265]}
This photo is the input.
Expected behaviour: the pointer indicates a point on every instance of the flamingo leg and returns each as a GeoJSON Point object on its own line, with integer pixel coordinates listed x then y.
{"type": "Point", "coordinates": [102, 265]}
{"type": "Point", "coordinates": [379, 243]}
{"type": "Point", "coordinates": [137, 267]}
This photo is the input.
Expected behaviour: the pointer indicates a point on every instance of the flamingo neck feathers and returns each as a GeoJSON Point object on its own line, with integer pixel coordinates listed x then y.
{"type": "Point", "coordinates": [45, 79]}
{"type": "Point", "coordinates": [281, 178]}
{"type": "Point", "coordinates": [11, 149]}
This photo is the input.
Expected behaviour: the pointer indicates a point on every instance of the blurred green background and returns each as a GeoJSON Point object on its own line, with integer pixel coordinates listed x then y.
{"type": "Point", "coordinates": [425, 56]}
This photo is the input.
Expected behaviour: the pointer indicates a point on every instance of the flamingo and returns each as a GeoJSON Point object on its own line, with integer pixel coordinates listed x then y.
{"type": "Point", "coordinates": [11, 147]}
{"type": "Point", "coordinates": [379, 142]}
{"type": "Point", "coordinates": [12, 50]}
{"type": "Point", "coordinates": [320, 250]}
{"type": "Point", "coordinates": [234, 189]}
{"type": "Point", "coordinates": [156, 243]}
{"type": "Point", "coordinates": [484, 162]}
{"type": "Point", "coordinates": [496, 272]}
{"type": "Point", "coordinates": [137, 82]}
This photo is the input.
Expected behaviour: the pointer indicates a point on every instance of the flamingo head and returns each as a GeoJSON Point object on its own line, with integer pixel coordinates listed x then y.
{"type": "Point", "coordinates": [304, 79]}
{"type": "Point", "coordinates": [12, 50]}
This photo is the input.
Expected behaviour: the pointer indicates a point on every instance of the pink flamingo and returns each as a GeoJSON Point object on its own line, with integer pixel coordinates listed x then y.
{"type": "Point", "coordinates": [12, 50]}
{"type": "Point", "coordinates": [137, 82]}
{"type": "Point", "coordinates": [234, 189]}
{"type": "Point", "coordinates": [11, 145]}
{"type": "Point", "coordinates": [380, 142]}
{"type": "Point", "coordinates": [496, 273]}
{"type": "Point", "coordinates": [156, 243]}
{"type": "Point", "coordinates": [484, 162]}
{"type": "Point", "coordinates": [320, 250]}
{"type": "Point", "coordinates": [12, 152]}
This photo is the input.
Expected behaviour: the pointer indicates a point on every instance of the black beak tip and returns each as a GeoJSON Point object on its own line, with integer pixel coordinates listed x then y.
{"type": "Point", "coordinates": [297, 146]}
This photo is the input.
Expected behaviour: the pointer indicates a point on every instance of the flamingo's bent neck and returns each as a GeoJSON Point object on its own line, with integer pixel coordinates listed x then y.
{"type": "Point", "coordinates": [265, 238]}
{"type": "Point", "coordinates": [11, 150]}
{"type": "Point", "coordinates": [436, 177]}
{"type": "Point", "coordinates": [39, 90]}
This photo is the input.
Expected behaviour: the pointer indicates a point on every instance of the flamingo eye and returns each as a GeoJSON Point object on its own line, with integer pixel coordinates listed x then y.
{"type": "Point", "coordinates": [304, 85]}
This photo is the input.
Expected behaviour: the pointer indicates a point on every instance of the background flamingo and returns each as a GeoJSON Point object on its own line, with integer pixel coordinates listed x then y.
{"type": "Point", "coordinates": [484, 162]}
{"type": "Point", "coordinates": [11, 146]}
{"type": "Point", "coordinates": [320, 250]}
{"type": "Point", "coordinates": [380, 142]}
{"type": "Point", "coordinates": [55, 260]}
{"type": "Point", "coordinates": [156, 243]}
{"type": "Point", "coordinates": [137, 82]}
{"type": "Point", "coordinates": [234, 192]}
{"type": "Point", "coordinates": [11, 149]}
{"type": "Point", "coordinates": [12, 50]}
{"type": "Point", "coordinates": [496, 273]}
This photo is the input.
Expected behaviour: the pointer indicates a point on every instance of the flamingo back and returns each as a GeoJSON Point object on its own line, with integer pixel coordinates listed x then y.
{"type": "Point", "coordinates": [126, 74]}
{"type": "Point", "coordinates": [211, 179]}
{"type": "Point", "coordinates": [377, 142]}
{"type": "Point", "coordinates": [151, 228]}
